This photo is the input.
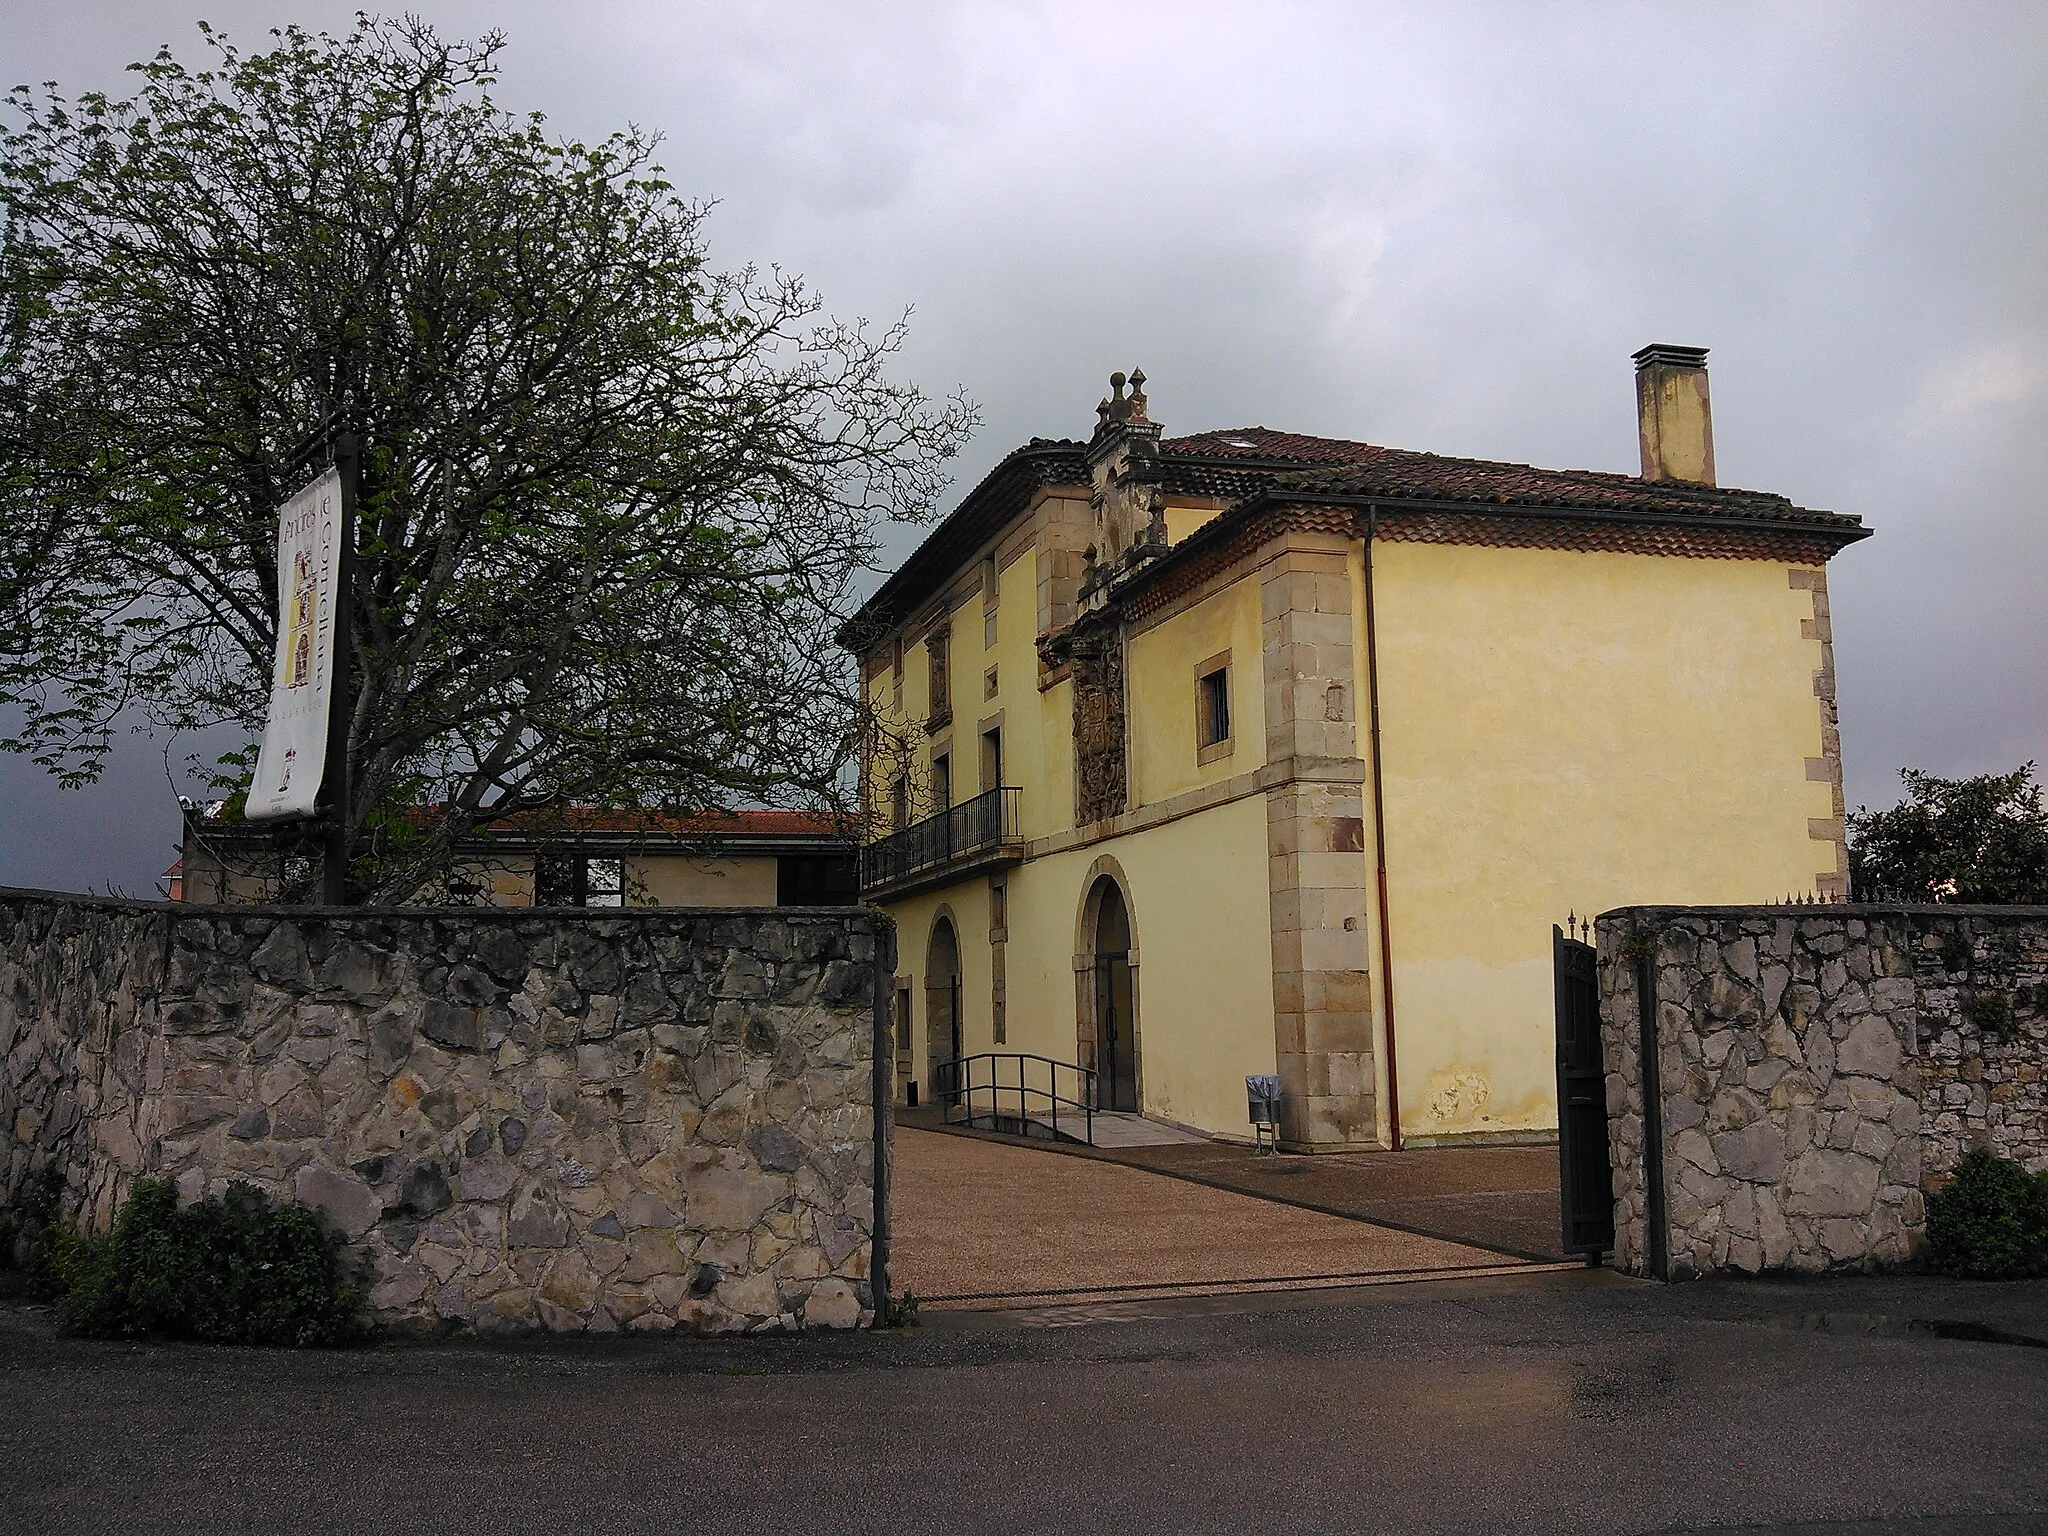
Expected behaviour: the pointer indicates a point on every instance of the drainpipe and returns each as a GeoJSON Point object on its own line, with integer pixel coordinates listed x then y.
{"type": "Point", "coordinates": [1379, 832]}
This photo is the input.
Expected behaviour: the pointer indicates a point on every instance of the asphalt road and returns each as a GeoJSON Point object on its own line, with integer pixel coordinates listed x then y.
{"type": "Point", "coordinates": [1542, 1403]}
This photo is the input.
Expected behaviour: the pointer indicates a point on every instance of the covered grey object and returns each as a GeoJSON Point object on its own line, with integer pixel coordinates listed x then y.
{"type": "Point", "coordinates": [1262, 1089]}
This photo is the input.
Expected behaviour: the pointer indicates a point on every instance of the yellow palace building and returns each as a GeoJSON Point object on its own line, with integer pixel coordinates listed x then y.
{"type": "Point", "coordinates": [1249, 752]}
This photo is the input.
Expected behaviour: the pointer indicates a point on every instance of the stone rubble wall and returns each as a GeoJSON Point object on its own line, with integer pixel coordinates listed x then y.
{"type": "Point", "coordinates": [81, 1053]}
{"type": "Point", "coordinates": [1821, 1070]}
{"type": "Point", "coordinates": [646, 1119]}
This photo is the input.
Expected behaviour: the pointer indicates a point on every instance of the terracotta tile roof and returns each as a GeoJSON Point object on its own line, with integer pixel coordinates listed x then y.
{"type": "Point", "coordinates": [1257, 466]}
{"type": "Point", "coordinates": [1244, 460]}
{"type": "Point", "coordinates": [718, 824]}
{"type": "Point", "coordinates": [721, 826]}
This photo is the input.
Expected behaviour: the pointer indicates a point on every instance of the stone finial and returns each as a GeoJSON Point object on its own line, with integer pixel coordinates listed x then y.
{"type": "Point", "coordinates": [1119, 407]}
{"type": "Point", "coordinates": [1153, 539]}
{"type": "Point", "coordinates": [1138, 395]}
{"type": "Point", "coordinates": [1102, 415]}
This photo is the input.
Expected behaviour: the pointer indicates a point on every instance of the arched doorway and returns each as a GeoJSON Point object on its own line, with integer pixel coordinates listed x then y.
{"type": "Point", "coordinates": [1115, 998]}
{"type": "Point", "coordinates": [942, 1009]}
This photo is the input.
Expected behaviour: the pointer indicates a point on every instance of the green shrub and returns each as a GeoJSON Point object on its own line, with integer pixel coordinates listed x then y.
{"type": "Point", "coordinates": [231, 1270]}
{"type": "Point", "coordinates": [1990, 1222]}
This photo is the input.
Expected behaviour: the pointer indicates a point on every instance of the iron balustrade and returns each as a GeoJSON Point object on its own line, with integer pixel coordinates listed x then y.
{"type": "Point", "coordinates": [986, 822]}
{"type": "Point", "coordinates": [960, 1085]}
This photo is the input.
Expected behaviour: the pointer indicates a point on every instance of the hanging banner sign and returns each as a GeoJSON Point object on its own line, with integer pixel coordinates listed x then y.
{"type": "Point", "coordinates": [294, 749]}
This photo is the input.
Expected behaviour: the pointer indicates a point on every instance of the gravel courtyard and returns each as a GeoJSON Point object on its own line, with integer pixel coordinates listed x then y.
{"type": "Point", "coordinates": [981, 1222]}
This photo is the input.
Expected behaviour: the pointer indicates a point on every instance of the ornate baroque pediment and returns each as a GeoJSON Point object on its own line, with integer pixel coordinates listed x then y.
{"type": "Point", "coordinates": [1127, 500]}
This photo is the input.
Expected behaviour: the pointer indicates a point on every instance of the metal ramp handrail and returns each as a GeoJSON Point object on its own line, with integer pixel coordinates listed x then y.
{"type": "Point", "coordinates": [957, 1083]}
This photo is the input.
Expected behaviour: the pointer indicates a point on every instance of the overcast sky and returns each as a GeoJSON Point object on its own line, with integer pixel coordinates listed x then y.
{"type": "Point", "coordinates": [1435, 227]}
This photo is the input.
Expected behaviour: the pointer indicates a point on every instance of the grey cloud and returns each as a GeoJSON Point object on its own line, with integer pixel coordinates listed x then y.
{"type": "Point", "coordinates": [1440, 227]}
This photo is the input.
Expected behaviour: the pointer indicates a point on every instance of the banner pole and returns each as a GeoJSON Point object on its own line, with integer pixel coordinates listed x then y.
{"type": "Point", "coordinates": [334, 882]}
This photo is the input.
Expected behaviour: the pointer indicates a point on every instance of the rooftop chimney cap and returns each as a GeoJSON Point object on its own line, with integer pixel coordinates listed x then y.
{"type": "Point", "coordinates": [1666, 352]}
{"type": "Point", "coordinates": [1673, 415]}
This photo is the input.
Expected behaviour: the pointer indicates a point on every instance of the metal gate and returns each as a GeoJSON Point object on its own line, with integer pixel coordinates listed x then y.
{"type": "Point", "coordinates": [1584, 1178]}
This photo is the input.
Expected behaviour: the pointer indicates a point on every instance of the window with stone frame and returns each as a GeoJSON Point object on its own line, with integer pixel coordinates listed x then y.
{"type": "Point", "coordinates": [991, 759]}
{"type": "Point", "coordinates": [1212, 709]}
{"type": "Point", "coordinates": [991, 576]}
{"type": "Point", "coordinates": [938, 645]}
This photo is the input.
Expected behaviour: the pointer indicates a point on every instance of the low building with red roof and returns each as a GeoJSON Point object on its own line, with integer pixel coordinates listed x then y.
{"type": "Point", "coordinates": [580, 856]}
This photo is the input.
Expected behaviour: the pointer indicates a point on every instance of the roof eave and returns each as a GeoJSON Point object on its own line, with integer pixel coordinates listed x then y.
{"type": "Point", "coordinates": [1841, 526]}
{"type": "Point", "coordinates": [936, 556]}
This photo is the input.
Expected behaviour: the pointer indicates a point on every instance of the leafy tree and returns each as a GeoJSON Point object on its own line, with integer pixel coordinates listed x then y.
{"type": "Point", "coordinates": [612, 500]}
{"type": "Point", "coordinates": [1972, 840]}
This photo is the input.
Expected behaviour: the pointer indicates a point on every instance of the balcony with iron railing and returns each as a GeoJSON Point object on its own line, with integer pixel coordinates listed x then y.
{"type": "Point", "coordinates": [970, 838]}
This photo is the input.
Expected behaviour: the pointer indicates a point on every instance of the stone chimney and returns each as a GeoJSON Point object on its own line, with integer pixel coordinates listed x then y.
{"type": "Point", "coordinates": [1672, 413]}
